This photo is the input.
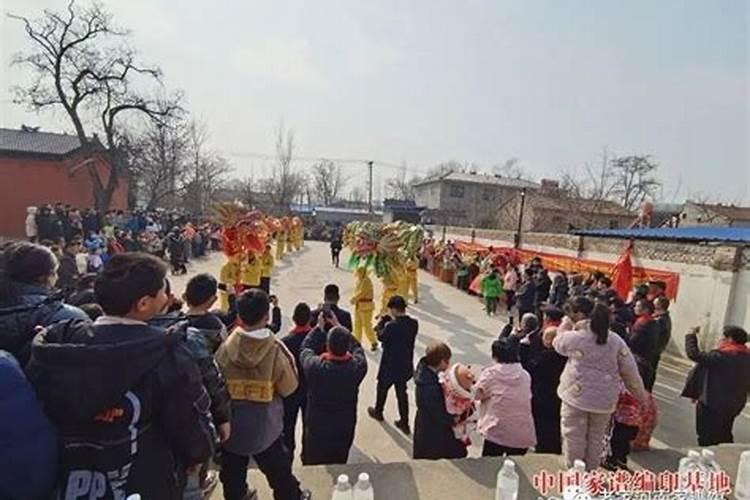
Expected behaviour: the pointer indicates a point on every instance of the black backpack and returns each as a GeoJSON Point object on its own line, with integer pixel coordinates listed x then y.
{"type": "Point", "coordinates": [18, 323]}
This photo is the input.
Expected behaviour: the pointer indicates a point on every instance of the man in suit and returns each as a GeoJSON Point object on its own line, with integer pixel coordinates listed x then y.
{"type": "Point", "coordinates": [331, 306]}
{"type": "Point", "coordinates": [397, 364]}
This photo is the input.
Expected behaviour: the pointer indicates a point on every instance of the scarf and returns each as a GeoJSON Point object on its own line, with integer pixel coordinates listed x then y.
{"type": "Point", "coordinates": [643, 318]}
{"type": "Point", "coordinates": [300, 330]}
{"type": "Point", "coordinates": [732, 347]}
{"type": "Point", "coordinates": [329, 356]}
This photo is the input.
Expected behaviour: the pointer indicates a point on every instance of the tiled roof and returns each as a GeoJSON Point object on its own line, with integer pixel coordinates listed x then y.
{"type": "Point", "coordinates": [29, 141]}
{"type": "Point", "coordinates": [482, 179]}
{"type": "Point", "coordinates": [560, 203]}
{"type": "Point", "coordinates": [731, 212]}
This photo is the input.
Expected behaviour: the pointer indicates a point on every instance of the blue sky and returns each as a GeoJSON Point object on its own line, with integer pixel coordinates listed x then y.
{"type": "Point", "coordinates": [551, 83]}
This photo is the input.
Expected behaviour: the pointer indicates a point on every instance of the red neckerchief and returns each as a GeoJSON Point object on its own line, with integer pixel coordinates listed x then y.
{"type": "Point", "coordinates": [329, 356]}
{"type": "Point", "coordinates": [300, 330]}
{"type": "Point", "coordinates": [551, 323]}
{"type": "Point", "coordinates": [643, 318]}
{"type": "Point", "coordinates": [732, 347]}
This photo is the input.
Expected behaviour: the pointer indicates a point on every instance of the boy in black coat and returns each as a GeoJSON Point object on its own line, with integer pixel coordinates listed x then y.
{"type": "Point", "coordinates": [433, 425]}
{"type": "Point", "coordinates": [334, 366]}
{"type": "Point", "coordinates": [125, 397]}
{"type": "Point", "coordinates": [295, 403]}
{"type": "Point", "coordinates": [397, 364]}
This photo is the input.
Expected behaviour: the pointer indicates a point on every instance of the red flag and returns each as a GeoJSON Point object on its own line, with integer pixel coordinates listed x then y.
{"type": "Point", "coordinates": [622, 273]}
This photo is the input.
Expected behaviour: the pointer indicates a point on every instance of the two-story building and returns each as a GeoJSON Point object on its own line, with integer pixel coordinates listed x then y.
{"type": "Point", "coordinates": [467, 199]}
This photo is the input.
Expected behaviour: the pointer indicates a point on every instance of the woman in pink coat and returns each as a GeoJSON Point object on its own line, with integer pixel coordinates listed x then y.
{"type": "Point", "coordinates": [590, 383]}
{"type": "Point", "coordinates": [504, 394]}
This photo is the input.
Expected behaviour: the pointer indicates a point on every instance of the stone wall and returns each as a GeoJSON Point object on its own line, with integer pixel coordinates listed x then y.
{"type": "Point", "coordinates": [714, 285]}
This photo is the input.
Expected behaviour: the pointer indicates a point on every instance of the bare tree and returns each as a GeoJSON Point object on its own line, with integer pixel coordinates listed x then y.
{"type": "Point", "coordinates": [634, 180]}
{"type": "Point", "coordinates": [358, 194]}
{"type": "Point", "coordinates": [161, 166]}
{"type": "Point", "coordinates": [328, 181]}
{"type": "Point", "coordinates": [512, 169]}
{"type": "Point", "coordinates": [285, 185]}
{"type": "Point", "coordinates": [81, 62]}
{"type": "Point", "coordinates": [207, 171]}
{"type": "Point", "coordinates": [445, 168]}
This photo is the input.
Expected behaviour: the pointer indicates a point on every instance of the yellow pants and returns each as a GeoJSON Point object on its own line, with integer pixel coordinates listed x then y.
{"type": "Point", "coordinates": [413, 288]}
{"type": "Point", "coordinates": [279, 250]}
{"type": "Point", "coordinates": [387, 294]}
{"type": "Point", "coordinates": [363, 324]}
{"type": "Point", "coordinates": [223, 301]}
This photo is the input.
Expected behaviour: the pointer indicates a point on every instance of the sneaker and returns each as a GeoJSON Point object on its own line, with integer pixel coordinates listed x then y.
{"type": "Point", "coordinates": [403, 427]}
{"type": "Point", "coordinates": [375, 414]}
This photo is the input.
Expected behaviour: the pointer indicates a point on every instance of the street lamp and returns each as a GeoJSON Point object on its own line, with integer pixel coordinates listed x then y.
{"type": "Point", "coordinates": [520, 218]}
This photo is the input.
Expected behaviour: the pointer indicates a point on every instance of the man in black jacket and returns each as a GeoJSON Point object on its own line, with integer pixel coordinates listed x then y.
{"type": "Point", "coordinates": [433, 426]}
{"type": "Point", "coordinates": [330, 305]}
{"type": "Point", "coordinates": [397, 364]}
{"type": "Point", "coordinates": [67, 272]}
{"type": "Point", "coordinates": [126, 398]}
{"type": "Point", "coordinates": [334, 366]}
{"type": "Point", "coordinates": [719, 383]}
{"type": "Point", "coordinates": [296, 403]}
{"type": "Point", "coordinates": [664, 322]}
{"type": "Point", "coordinates": [526, 294]}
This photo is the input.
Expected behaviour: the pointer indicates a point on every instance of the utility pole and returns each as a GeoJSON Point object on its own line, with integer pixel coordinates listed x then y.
{"type": "Point", "coordinates": [369, 197]}
{"type": "Point", "coordinates": [520, 218]}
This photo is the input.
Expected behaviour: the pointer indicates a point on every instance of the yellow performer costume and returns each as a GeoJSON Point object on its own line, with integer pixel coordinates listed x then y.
{"type": "Point", "coordinates": [266, 269]}
{"type": "Point", "coordinates": [390, 288]}
{"type": "Point", "coordinates": [229, 276]}
{"type": "Point", "coordinates": [412, 288]}
{"type": "Point", "coordinates": [280, 237]}
{"type": "Point", "coordinates": [362, 300]}
{"type": "Point", "coordinates": [250, 272]}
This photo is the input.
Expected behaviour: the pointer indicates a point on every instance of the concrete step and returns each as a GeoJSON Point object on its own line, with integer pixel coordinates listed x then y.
{"type": "Point", "coordinates": [469, 478]}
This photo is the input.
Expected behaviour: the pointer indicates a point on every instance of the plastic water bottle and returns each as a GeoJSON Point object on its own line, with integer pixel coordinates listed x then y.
{"type": "Point", "coordinates": [708, 461]}
{"type": "Point", "coordinates": [363, 489]}
{"type": "Point", "coordinates": [134, 496]}
{"type": "Point", "coordinates": [576, 487]}
{"type": "Point", "coordinates": [507, 482]}
{"type": "Point", "coordinates": [742, 484]}
{"type": "Point", "coordinates": [342, 490]}
{"type": "Point", "coordinates": [688, 464]}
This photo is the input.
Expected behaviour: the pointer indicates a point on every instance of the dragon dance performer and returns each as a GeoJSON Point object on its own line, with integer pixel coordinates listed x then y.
{"type": "Point", "coordinates": [391, 286]}
{"type": "Point", "coordinates": [364, 307]}
{"type": "Point", "coordinates": [229, 277]}
{"type": "Point", "coordinates": [412, 289]}
{"type": "Point", "coordinates": [266, 269]}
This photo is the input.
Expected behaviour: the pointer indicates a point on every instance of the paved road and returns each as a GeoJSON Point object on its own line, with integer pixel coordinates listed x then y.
{"type": "Point", "coordinates": [454, 317]}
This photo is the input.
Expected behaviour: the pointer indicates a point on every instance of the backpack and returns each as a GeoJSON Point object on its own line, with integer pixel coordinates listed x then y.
{"type": "Point", "coordinates": [17, 325]}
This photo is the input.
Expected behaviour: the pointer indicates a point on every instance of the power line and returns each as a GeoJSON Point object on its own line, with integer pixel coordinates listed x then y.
{"type": "Point", "coordinates": [264, 156]}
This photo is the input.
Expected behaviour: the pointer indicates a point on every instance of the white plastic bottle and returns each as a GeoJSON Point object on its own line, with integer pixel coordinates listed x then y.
{"type": "Point", "coordinates": [576, 477]}
{"type": "Point", "coordinates": [134, 496]}
{"type": "Point", "coordinates": [689, 463]}
{"type": "Point", "coordinates": [363, 489]}
{"type": "Point", "coordinates": [342, 490]}
{"type": "Point", "coordinates": [742, 484]}
{"type": "Point", "coordinates": [507, 482]}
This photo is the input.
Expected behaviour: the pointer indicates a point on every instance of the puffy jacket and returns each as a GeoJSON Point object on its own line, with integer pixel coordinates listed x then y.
{"type": "Point", "coordinates": [36, 307]}
{"type": "Point", "coordinates": [28, 441]}
{"type": "Point", "coordinates": [504, 393]}
{"type": "Point", "coordinates": [128, 404]}
{"type": "Point", "coordinates": [202, 344]}
{"type": "Point", "coordinates": [433, 431]}
{"type": "Point", "coordinates": [492, 287]}
{"type": "Point", "coordinates": [594, 372]}
{"type": "Point", "coordinates": [332, 395]}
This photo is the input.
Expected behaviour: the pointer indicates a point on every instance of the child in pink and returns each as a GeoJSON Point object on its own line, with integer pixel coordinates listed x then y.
{"type": "Point", "coordinates": [457, 385]}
